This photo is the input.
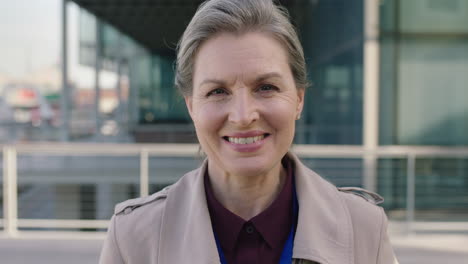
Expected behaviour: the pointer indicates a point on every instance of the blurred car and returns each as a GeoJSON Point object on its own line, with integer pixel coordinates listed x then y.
{"type": "Point", "coordinates": [29, 105]}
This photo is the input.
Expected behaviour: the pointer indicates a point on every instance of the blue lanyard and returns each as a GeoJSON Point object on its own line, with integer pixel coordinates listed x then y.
{"type": "Point", "coordinates": [286, 255]}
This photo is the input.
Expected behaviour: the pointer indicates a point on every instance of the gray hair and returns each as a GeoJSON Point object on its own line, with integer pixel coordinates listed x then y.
{"type": "Point", "coordinates": [238, 17]}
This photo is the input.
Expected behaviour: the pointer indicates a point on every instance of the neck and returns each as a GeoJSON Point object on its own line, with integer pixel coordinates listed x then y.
{"type": "Point", "coordinates": [247, 196]}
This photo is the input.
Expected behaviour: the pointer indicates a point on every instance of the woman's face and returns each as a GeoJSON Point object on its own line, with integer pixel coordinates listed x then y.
{"type": "Point", "coordinates": [244, 103]}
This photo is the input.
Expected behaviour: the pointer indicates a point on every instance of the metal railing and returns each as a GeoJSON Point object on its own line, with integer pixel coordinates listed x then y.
{"type": "Point", "coordinates": [11, 223]}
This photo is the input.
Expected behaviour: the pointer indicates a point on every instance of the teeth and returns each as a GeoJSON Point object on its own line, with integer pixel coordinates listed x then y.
{"type": "Point", "coordinates": [247, 140]}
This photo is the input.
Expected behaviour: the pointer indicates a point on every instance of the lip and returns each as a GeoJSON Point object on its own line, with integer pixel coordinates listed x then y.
{"type": "Point", "coordinates": [245, 148]}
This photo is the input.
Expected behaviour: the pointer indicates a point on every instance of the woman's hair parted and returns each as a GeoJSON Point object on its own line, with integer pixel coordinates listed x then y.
{"type": "Point", "coordinates": [237, 17]}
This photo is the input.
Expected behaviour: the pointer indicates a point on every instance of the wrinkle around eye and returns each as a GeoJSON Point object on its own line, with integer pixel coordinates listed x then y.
{"type": "Point", "coordinates": [216, 92]}
{"type": "Point", "coordinates": [273, 88]}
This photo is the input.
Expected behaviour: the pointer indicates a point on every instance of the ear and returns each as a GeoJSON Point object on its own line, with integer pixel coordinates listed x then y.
{"type": "Point", "coordinates": [300, 101]}
{"type": "Point", "coordinates": [188, 103]}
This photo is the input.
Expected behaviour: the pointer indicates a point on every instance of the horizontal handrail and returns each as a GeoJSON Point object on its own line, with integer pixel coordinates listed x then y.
{"type": "Point", "coordinates": [111, 149]}
{"type": "Point", "coordinates": [183, 150]}
{"type": "Point", "coordinates": [422, 151]}
{"type": "Point", "coordinates": [61, 223]}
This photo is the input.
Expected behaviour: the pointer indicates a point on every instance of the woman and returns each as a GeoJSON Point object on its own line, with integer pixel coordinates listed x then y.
{"type": "Point", "coordinates": [241, 69]}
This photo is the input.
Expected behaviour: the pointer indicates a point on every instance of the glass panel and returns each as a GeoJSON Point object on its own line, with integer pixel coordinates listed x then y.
{"type": "Point", "coordinates": [432, 93]}
{"type": "Point", "coordinates": [332, 36]}
{"type": "Point", "coordinates": [70, 187]}
{"type": "Point", "coordinates": [87, 26]}
{"type": "Point", "coordinates": [117, 51]}
{"type": "Point", "coordinates": [110, 41]}
{"type": "Point", "coordinates": [447, 16]}
{"type": "Point", "coordinates": [388, 88]}
{"type": "Point", "coordinates": [87, 38]}
{"type": "Point", "coordinates": [162, 110]}
{"type": "Point", "coordinates": [341, 172]}
{"type": "Point", "coordinates": [165, 171]}
{"type": "Point", "coordinates": [441, 188]}
{"type": "Point", "coordinates": [423, 75]}
{"type": "Point", "coordinates": [391, 185]}
{"type": "Point", "coordinates": [388, 19]}
{"type": "Point", "coordinates": [168, 105]}
{"type": "Point", "coordinates": [140, 80]}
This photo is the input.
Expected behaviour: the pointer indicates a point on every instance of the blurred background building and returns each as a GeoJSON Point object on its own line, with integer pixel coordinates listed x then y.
{"type": "Point", "coordinates": [102, 71]}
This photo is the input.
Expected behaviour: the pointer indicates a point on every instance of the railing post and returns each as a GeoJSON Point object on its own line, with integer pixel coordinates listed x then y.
{"type": "Point", "coordinates": [371, 92]}
{"type": "Point", "coordinates": [410, 192]}
{"type": "Point", "coordinates": [97, 80]}
{"type": "Point", "coordinates": [10, 191]}
{"type": "Point", "coordinates": [65, 105]}
{"type": "Point", "coordinates": [144, 173]}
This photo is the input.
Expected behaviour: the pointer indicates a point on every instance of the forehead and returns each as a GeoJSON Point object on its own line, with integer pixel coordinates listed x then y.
{"type": "Point", "coordinates": [228, 56]}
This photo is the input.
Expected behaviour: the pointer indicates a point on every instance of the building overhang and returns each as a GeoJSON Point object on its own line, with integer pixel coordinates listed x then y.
{"type": "Point", "coordinates": [155, 24]}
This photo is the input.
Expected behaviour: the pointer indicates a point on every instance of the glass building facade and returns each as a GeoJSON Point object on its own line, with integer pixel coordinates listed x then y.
{"type": "Point", "coordinates": [423, 98]}
{"type": "Point", "coordinates": [155, 111]}
{"type": "Point", "coordinates": [332, 37]}
{"type": "Point", "coordinates": [423, 73]}
{"type": "Point", "coordinates": [333, 109]}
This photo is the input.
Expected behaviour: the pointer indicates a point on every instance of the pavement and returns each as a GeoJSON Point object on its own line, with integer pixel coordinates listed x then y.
{"type": "Point", "coordinates": [431, 248]}
{"type": "Point", "coordinates": [430, 242]}
{"type": "Point", "coordinates": [417, 248]}
{"type": "Point", "coordinates": [50, 251]}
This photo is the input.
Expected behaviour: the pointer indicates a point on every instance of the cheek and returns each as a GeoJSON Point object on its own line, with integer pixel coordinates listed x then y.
{"type": "Point", "coordinates": [281, 112]}
{"type": "Point", "coordinates": [207, 117]}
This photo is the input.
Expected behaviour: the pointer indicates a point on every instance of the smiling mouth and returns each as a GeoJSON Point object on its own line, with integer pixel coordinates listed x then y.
{"type": "Point", "coordinates": [245, 140]}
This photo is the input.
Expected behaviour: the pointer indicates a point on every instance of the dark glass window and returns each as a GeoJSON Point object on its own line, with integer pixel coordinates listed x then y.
{"type": "Point", "coordinates": [424, 62]}
{"type": "Point", "coordinates": [332, 36]}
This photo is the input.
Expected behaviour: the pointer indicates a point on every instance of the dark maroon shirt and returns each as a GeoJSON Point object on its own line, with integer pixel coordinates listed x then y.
{"type": "Point", "coordinates": [260, 239]}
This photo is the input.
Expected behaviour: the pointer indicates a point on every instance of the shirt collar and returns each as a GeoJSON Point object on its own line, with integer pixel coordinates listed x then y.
{"type": "Point", "coordinates": [273, 224]}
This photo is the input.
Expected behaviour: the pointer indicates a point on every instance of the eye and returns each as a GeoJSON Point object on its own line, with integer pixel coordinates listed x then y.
{"type": "Point", "coordinates": [217, 91]}
{"type": "Point", "coordinates": [267, 88]}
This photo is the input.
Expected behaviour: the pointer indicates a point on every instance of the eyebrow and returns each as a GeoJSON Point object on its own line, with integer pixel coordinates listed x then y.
{"type": "Point", "coordinates": [260, 78]}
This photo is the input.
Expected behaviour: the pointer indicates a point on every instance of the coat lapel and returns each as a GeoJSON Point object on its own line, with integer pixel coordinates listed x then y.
{"type": "Point", "coordinates": [186, 232]}
{"type": "Point", "coordinates": [324, 232]}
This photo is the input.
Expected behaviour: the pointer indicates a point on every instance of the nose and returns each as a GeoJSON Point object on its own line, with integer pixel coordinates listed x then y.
{"type": "Point", "coordinates": [243, 108]}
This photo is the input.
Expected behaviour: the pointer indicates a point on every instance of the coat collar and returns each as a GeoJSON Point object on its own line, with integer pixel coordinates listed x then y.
{"type": "Point", "coordinates": [324, 232]}
{"type": "Point", "coordinates": [186, 233]}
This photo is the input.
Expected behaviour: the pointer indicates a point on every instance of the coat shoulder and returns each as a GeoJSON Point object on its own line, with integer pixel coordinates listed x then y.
{"type": "Point", "coordinates": [131, 205]}
{"type": "Point", "coordinates": [369, 222]}
{"type": "Point", "coordinates": [134, 228]}
{"type": "Point", "coordinates": [157, 199]}
{"type": "Point", "coordinates": [368, 196]}
{"type": "Point", "coordinates": [363, 205]}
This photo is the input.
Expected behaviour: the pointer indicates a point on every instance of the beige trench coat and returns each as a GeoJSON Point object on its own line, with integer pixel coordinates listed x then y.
{"type": "Point", "coordinates": [173, 226]}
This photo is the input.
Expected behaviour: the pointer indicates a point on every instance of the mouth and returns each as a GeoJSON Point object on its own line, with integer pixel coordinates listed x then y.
{"type": "Point", "coordinates": [245, 140]}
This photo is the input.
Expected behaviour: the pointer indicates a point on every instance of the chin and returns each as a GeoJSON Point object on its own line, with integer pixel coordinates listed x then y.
{"type": "Point", "coordinates": [253, 167]}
